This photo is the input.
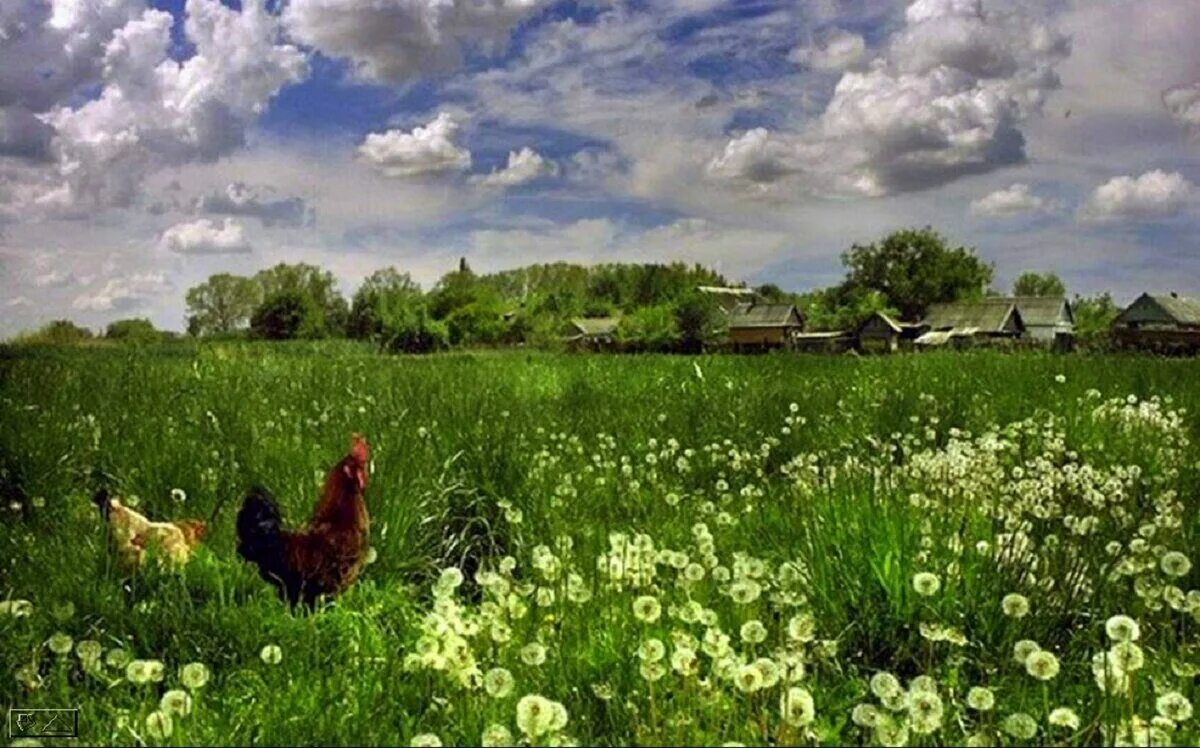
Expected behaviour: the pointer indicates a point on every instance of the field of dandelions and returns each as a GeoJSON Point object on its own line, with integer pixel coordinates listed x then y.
{"type": "Point", "coordinates": [945, 549]}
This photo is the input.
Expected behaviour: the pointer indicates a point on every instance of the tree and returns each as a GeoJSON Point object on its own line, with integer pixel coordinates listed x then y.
{"type": "Point", "coordinates": [382, 290]}
{"type": "Point", "coordinates": [411, 329]}
{"type": "Point", "coordinates": [136, 330]}
{"type": "Point", "coordinates": [699, 320]}
{"type": "Point", "coordinates": [316, 285]}
{"type": "Point", "coordinates": [222, 304]}
{"type": "Point", "coordinates": [649, 328]}
{"type": "Point", "coordinates": [285, 315]}
{"type": "Point", "coordinates": [1093, 315]}
{"type": "Point", "coordinates": [913, 268]}
{"type": "Point", "coordinates": [1038, 284]}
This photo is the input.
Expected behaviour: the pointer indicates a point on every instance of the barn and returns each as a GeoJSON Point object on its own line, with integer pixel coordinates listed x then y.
{"type": "Point", "coordinates": [764, 325]}
{"type": "Point", "coordinates": [1166, 323]}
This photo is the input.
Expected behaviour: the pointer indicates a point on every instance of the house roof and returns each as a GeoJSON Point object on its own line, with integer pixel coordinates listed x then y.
{"type": "Point", "coordinates": [987, 315]}
{"type": "Point", "coordinates": [892, 324]}
{"type": "Point", "coordinates": [1040, 311]}
{"type": "Point", "coordinates": [727, 290]}
{"type": "Point", "coordinates": [595, 325]}
{"type": "Point", "coordinates": [764, 315]}
{"type": "Point", "coordinates": [1183, 309]}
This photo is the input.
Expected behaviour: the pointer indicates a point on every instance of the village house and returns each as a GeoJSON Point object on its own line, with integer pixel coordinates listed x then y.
{"type": "Point", "coordinates": [593, 333]}
{"type": "Point", "coordinates": [965, 323]}
{"type": "Point", "coordinates": [1167, 323]}
{"type": "Point", "coordinates": [1048, 320]}
{"type": "Point", "coordinates": [764, 325]}
{"type": "Point", "coordinates": [880, 333]}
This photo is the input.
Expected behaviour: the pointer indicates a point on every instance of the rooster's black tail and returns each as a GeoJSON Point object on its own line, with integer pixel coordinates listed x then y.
{"type": "Point", "coordinates": [260, 535]}
{"type": "Point", "coordinates": [100, 499]}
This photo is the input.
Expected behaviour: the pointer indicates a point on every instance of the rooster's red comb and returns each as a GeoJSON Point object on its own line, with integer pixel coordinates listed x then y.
{"type": "Point", "coordinates": [359, 450]}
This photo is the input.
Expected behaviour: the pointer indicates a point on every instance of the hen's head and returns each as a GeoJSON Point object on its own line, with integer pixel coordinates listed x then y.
{"type": "Point", "coordinates": [194, 531]}
{"type": "Point", "coordinates": [357, 461]}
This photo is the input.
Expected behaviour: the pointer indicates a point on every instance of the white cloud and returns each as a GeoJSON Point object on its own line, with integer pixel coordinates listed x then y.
{"type": "Point", "coordinates": [240, 199]}
{"type": "Point", "coordinates": [945, 101]}
{"type": "Point", "coordinates": [19, 302]}
{"type": "Point", "coordinates": [395, 40]}
{"type": "Point", "coordinates": [56, 279]}
{"type": "Point", "coordinates": [123, 294]}
{"type": "Point", "coordinates": [835, 50]}
{"type": "Point", "coordinates": [523, 166]}
{"type": "Point", "coordinates": [1011, 201]}
{"type": "Point", "coordinates": [1153, 195]}
{"type": "Point", "coordinates": [426, 150]}
{"type": "Point", "coordinates": [154, 111]}
{"type": "Point", "coordinates": [205, 237]}
{"type": "Point", "coordinates": [1183, 104]}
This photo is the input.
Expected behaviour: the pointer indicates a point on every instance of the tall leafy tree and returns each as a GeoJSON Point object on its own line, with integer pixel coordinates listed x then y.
{"type": "Point", "coordinates": [1038, 284]}
{"type": "Point", "coordinates": [222, 304]}
{"type": "Point", "coordinates": [383, 290]}
{"type": "Point", "coordinates": [316, 285]}
{"type": "Point", "coordinates": [913, 268]}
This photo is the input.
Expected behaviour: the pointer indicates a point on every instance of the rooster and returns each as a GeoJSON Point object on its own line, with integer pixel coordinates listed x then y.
{"type": "Point", "coordinates": [326, 556]}
{"type": "Point", "coordinates": [132, 534]}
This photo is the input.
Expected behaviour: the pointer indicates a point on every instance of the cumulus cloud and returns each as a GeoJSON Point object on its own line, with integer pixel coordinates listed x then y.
{"type": "Point", "coordinates": [395, 40]}
{"type": "Point", "coordinates": [152, 110]}
{"type": "Point", "coordinates": [23, 135]}
{"type": "Point", "coordinates": [123, 294]}
{"type": "Point", "coordinates": [1153, 195]}
{"type": "Point", "coordinates": [18, 302]}
{"type": "Point", "coordinates": [1183, 104]}
{"type": "Point", "coordinates": [205, 237]}
{"type": "Point", "coordinates": [836, 50]}
{"type": "Point", "coordinates": [240, 199]}
{"type": "Point", "coordinates": [1011, 201]}
{"type": "Point", "coordinates": [56, 279]}
{"type": "Point", "coordinates": [944, 101]}
{"type": "Point", "coordinates": [523, 166]}
{"type": "Point", "coordinates": [426, 150]}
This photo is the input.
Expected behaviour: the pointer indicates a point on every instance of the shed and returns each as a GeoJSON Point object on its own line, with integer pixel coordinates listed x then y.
{"type": "Point", "coordinates": [764, 325]}
{"type": "Point", "coordinates": [987, 318]}
{"type": "Point", "coordinates": [823, 342]}
{"type": "Point", "coordinates": [1162, 322]}
{"type": "Point", "coordinates": [881, 333]}
{"type": "Point", "coordinates": [592, 332]}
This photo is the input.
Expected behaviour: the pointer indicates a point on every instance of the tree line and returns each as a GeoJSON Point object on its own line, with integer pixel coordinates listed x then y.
{"type": "Point", "coordinates": [657, 305]}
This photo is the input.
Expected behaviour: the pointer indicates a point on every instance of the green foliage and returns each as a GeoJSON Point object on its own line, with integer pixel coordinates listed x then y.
{"type": "Point", "coordinates": [287, 315]}
{"type": "Point", "coordinates": [699, 321]}
{"type": "Point", "coordinates": [222, 304]}
{"type": "Point", "coordinates": [410, 328]}
{"type": "Point", "coordinates": [912, 269]}
{"type": "Point", "coordinates": [651, 328]}
{"type": "Point", "coordinates": [58, 332]}
{"type": "Point", "coordinates": [828, 309]}
{"type": "Point", "coordinates": [326, 312]}
{"type": "Point", "coordinates": [383, 293]}
{"type": "Point", "coordinates": [1094, 316]}
{"type": "Point", "coordinates": [136, 330]}
{"type": "Point", "coordinates": [1038, 284]}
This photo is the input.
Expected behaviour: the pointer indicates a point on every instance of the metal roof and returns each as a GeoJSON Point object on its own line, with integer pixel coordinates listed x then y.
{"type": "Point", "coordinates": [1041, 311]}
{"type": "Point", "coordinates": [595, 325]}
{"type": "Point", "coordinates": [989, 315]}
{"type": "Point", "coordinates": [1184, 309]}
{"type": "Point", "coordinates": [764, 315]}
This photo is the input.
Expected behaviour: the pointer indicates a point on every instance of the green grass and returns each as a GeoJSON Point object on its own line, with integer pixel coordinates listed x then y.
{"type": "Point", "coordinates": [883, 468]}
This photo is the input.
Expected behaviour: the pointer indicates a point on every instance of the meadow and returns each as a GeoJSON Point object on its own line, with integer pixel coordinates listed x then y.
{"type": "Point", "coordinates": [941, 549]}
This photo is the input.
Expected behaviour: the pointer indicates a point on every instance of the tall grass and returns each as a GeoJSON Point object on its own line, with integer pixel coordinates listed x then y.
{"type": "Point", "coordinates": [843, 468]}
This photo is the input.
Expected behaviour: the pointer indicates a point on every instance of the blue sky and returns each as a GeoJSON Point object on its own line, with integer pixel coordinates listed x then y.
{"type": "Point", "coordinates": [147, 145]}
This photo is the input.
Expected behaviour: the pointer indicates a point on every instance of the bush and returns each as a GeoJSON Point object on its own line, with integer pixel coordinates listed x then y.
{"type": "Point", "coordinates": [58, 332]}
{"type": "Point", "coordinates": [137, 330]}
{"type": "Point", "coordinates": [287, 315]}
{"type": "Point", "coordinates": [411, 329]}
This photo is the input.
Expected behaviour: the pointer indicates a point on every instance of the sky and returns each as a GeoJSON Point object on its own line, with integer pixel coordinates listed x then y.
{"type": "Point", "coordinates": [148, 144]}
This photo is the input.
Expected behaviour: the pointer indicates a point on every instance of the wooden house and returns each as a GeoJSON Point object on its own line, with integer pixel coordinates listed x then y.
{"type": "Point", "coordinates": [729, 297]}
{"type": "Point", "coordinates": [970, 322]}
{"type": "Point", "coordinates": [764, 325]}
{"type": "Point", "coordinates": [1167, 323]}
{"type": "Point", "coordinates": [823, 342]}
{"type": "Point", "coordinates": [880, 333]}
{"type": "Point", "coordinates": [1048, 320]}
{"type": "Point", "coordinates": [593, 333]}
